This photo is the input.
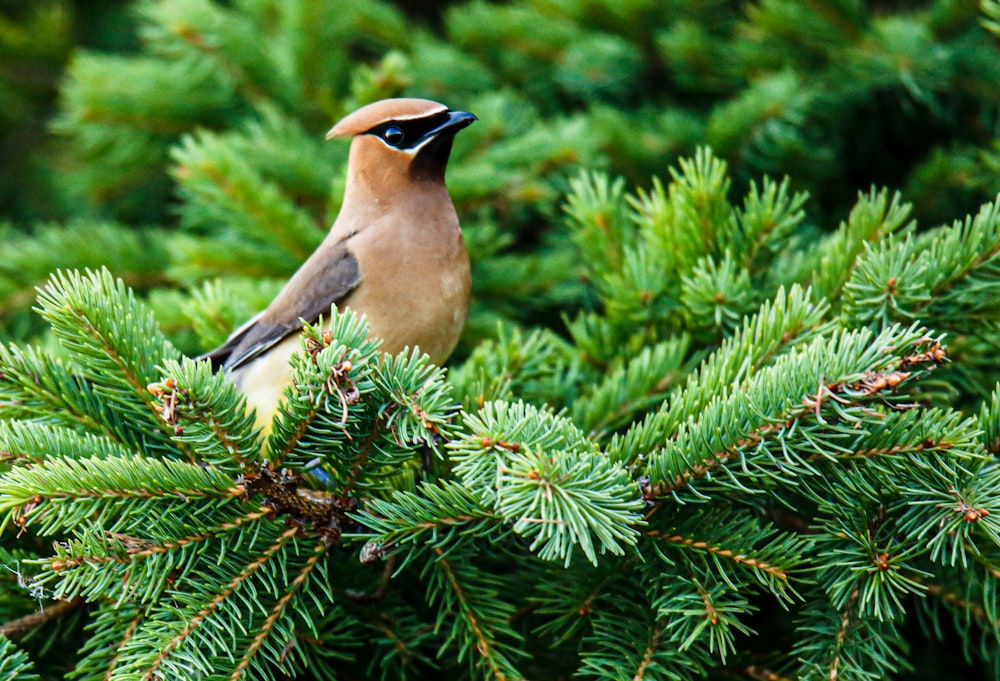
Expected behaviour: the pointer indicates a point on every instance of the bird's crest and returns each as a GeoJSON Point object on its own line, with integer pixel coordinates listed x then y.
{"type": "Point", "coordinates": [401, 109]}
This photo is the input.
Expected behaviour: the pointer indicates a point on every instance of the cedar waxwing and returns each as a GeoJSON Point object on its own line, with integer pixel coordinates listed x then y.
{"type": "Point", "coordinates": [395, 253]}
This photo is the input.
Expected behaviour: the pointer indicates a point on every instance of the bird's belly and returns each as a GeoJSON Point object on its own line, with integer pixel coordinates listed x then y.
{"type": "Point", "coordinates": [430, 316]}
{"type": "Point", "coordinates": [431, 319]}
{"type": "Point", "coordinates": [263, 380]}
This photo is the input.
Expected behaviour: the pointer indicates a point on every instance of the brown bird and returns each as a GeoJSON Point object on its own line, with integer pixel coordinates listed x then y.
{"type": "Point", "coordinates": [395, 253]}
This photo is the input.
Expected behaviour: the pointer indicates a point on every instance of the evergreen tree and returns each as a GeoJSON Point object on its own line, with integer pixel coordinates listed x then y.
{"type": "Point", "coordinates": [760, 444]}
{"type": "Point", "coordinates": [728, 440]}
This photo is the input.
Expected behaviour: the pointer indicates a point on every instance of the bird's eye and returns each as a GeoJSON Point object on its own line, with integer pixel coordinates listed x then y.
{"type": "Point", "coordinates": [393, 136]}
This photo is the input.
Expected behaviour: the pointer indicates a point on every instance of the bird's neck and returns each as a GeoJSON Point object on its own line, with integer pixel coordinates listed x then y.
{"type": "Point", "coordinates": [376, 191]}
{"type": "Point", "coordinates": [418, 210]}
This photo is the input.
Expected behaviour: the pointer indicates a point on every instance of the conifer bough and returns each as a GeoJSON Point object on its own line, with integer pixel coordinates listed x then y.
{"type": "Point", "coordinates": [751, 421]}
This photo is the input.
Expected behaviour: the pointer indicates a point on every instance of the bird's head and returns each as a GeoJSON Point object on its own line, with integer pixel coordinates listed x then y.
{"type": "Point", "coordinates": [397, 139]}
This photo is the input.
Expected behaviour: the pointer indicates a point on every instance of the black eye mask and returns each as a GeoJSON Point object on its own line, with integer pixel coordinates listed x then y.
{"type": "Point", "coordinates": [409, 134]}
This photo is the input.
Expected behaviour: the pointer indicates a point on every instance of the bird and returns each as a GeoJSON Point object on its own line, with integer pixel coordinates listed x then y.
{"type": "Point", "coordinates": [395, 253]}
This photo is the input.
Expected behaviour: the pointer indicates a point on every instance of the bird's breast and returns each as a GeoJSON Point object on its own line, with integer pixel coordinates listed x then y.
{"type": "Point", "coordinates": [415, 292]}
{"type": "Point", "coordinates": [263, 380]}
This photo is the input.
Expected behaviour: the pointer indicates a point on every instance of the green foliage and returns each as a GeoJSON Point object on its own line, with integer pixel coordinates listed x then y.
{"type": "Point", "coordinates": [739, 420]}
{"type": "Point", "coordinates": [224, 106]}
{"type": "Point", "coordinates": [803, 457]}
{"type": "Point", "coordinates": [992, 11]}
{"type": "Point", "coordinates": [544, 471]}
{"type": "Point", "coordinates": [175, 535]}
{"type": "Point", "coordinates": [14, 664]}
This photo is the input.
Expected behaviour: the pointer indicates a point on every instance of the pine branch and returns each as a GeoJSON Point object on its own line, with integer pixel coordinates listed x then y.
{"type": "Point", "coordinates": [437, 515]}
{"type": "Point", "coordinates": [949, 510]}
{"type": "Point", "coordinates": [152, 667]}
{"type": "Point", "coordinates": [219, 40]}
{"type": "Point", "coordinates": [116, 344]}
{"type": "Point", "coordinates": [218, 307]}
{"type": "Point", "coordinates": [652, 643]}
{"type": "Point", "coordinates": [717, 295]}
{"type": "Point", "coordinates": [968, 255]}
{"type": "Point", "coordinates": [569, 605]}
{"type": "Point", "coordinates": [877, 473]}
{"type": "Point", "coordinates": [134, 548]}
{"type": "Point", "coordinates": [421, 411]}
{"type": "Point", "coordinates": [14, 663]}
{"type": "Point", "coordinates": [500, 429]}
{"type": "Point", "coordinates": [28, 442]}
{"type": "Point", "coordinates": [989, 421]}
{"type": "Point", "coordinates": [299, 161]}
{"type": "Point", "coordinates": [972, 607]}
{"type": "Point", "coordinates": [631, 385]}
{"type": "Point", "coordinates": [221, 188]}
{"type": "Point", "coordinates": [864, 369]}
{"type": "Point", "coordinates": [481, 618]}
{"type": "Point", "coordinates": [38, 387]}
{"type": "Point", "coordinates": [766, 221]}
{"type": "Point", "coordinates": [699, 611]}
{"type": "Point", "coordinates": [871, 571]}
{"type": "Point", "coordinates": [246, 596]}
{"type": "Point", "coordinates": [753, 563]}
{"type": "Point", "coordinates": [332, 374]}
{"type": "Point", "coordinates": [137, 256]}
{"type": "Point", "coordinates": [103, 564]}
{"type": "Point", "coordinates": [118, 494]}
{"type": "Point", "coordinates": [630, 641]}
{"type": "Point", "coordinates": [112, 628]}
{"type": "Point", "coordinates": [229, 256]}
{"type": "Point", "coordinates": [124, 127]}
{"type": "Point", "coordinates": [991, 10]}
{"type": "Point", "coordinates": [595, 208]}
{"type": "Point", "coordinates": [279, 610]}
{"type": "Point", "coordinates": [564, 500]}
{"type": "Point", "coordinates": [745, 551]}
{"type": "Point", "coordinates": [402, 639]}
{"type": "Point", "coordinates": [25, 625]}
{"type": "Point", "coordinates": [840, 645]}
{"type": "Point", "coordinates": [873, 218]}
{"type": "Point", "coordinates": [208, 415]}
{"type": "Point", "coordinates": [539, 368]}
{"type": "Point", "coordinates": [779, 326]}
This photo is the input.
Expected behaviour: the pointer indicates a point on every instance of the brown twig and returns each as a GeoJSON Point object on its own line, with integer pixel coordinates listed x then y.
{"type": "Point", "coordinates": [23, 625]}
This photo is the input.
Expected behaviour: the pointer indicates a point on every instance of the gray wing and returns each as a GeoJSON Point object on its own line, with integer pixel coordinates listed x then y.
{"type": "Point", "coordinates": [323, 280]}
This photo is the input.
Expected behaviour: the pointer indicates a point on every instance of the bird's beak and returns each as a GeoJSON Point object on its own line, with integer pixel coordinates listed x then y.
{"type": "Point", "coordinates": [455, 122]}
{"type": "Point", "coordinates": [443, 133]}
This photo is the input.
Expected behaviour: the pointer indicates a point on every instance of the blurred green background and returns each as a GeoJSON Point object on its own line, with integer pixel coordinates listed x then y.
{"type": "Point", "coordinates": [180, 142]}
